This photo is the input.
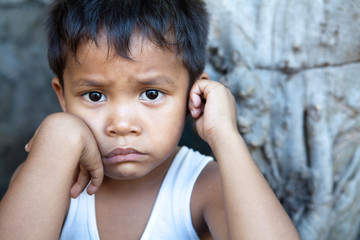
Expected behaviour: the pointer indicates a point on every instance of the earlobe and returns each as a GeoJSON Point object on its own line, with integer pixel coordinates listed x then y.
{"type": "Point", "coordinates": [58, 88]}
{"type": "Point", "coordinates": [204, 76]}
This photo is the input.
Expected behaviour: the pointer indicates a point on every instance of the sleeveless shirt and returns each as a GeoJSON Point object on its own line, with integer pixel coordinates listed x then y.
{"type": "Point", "coordinates": [170, 217]}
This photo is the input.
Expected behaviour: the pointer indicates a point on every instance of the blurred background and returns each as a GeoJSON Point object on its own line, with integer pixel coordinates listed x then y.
{"type": "Point", "coordinates": [294, 68]}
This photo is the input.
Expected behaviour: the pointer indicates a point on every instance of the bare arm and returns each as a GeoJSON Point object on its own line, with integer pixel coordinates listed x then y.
{"type": "Point", "coordinates": [35, 204]}
{"type": "Point", "coordinates": [251, 208]}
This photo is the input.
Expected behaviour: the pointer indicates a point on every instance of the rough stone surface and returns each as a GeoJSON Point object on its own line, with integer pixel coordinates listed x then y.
{"type": "Point", "coordinates": [294, 69]}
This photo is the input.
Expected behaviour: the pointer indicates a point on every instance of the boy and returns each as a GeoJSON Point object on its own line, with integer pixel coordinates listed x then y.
{"type": "Point", "coordinates": [125, 79]}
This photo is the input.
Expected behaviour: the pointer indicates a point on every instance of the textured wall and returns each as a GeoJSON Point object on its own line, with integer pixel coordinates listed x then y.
{"type": "Point", "coordinates": [25, 91]}
{"type": "Point", "coordinates": [294, 68]}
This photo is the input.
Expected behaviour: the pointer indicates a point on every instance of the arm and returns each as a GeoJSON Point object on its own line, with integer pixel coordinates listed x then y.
{"type": "Point", "coordinates": [35, 204]}
{"type": "Point", "coordinates": [252, 210]}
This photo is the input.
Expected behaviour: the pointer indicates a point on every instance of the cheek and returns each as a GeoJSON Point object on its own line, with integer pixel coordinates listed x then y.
{"type": "Point", "coordinates": [170, 122]}
{"type": "Point", "coordinates": [95, 123]}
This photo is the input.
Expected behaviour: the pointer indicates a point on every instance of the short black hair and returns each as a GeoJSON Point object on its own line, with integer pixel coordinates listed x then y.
{"type": "Point", "coordinates": [70, 22]}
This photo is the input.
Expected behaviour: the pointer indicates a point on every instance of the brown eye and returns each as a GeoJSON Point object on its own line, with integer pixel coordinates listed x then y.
{"type": "Point", "coordinates": [151, 95]}
{"type": "Point", "coordinates": [95, 96]}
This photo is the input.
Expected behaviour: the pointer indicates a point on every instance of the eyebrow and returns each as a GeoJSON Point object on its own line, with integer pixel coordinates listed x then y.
{"type": "Point", "coordinates": [156, 80]}
{"type": "Point", "coordinates": [146, 81]}
{"type": "Point", "coordinates": [90, 83]}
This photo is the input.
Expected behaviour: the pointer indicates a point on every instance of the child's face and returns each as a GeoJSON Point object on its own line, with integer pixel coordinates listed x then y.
{"type": "Point", "coordinates": [135, 109]}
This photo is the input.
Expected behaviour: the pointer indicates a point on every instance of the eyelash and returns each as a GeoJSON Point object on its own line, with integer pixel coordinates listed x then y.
{"type": "Point", "coordinates": [143, 96]}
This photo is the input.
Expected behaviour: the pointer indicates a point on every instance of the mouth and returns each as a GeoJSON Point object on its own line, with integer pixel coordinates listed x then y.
{"type": "Point", "coordinates": [123, 155]}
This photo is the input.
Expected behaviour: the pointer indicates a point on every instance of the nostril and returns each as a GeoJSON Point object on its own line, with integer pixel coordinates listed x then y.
{"type": "Point", "coordinates": [134, 132]}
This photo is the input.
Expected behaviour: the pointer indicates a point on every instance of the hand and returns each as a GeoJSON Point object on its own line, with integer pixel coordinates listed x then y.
{"type": "Point", "coordinates": [89, 163]}
{"type": "Point", "coordinates": [214, 109]}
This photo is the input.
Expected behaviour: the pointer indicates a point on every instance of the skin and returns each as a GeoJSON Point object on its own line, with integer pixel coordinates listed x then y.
{"type": "Point", "coordinates": [114, 103]}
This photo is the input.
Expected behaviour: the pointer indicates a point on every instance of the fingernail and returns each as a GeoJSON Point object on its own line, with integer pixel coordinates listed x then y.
{"type": "Point", "coordinates": [26, 146]}
{"type": "Point", "coordinates": [90, 189]}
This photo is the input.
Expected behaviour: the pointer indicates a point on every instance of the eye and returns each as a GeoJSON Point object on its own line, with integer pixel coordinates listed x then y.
{"type": "Point", "coordinates": [95, 96]}
{"type": "Point", "coordinates": [151, 95]}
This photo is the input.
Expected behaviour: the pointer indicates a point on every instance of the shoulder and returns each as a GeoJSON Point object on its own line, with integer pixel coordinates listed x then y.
{"type": "Point", "coordinates": [207, 204]}
{"type": "Point", "coordinates": [208, 190]}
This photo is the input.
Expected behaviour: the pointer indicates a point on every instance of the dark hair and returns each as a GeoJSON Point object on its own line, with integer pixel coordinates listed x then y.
{"type": "Point", "coordinates": [179, 25]}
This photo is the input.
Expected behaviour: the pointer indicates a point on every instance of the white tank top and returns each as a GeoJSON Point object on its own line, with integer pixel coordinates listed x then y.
{"type": "Point", "coordinates": [170, 217]}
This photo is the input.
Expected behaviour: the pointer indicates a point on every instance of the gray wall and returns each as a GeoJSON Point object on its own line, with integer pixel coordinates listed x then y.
{"type": "Point", "coordinates": [25, 90]}
{"type": "Point", "coordinates": [294, 67]}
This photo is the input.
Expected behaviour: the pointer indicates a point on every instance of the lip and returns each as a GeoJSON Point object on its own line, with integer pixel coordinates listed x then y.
{"type": "Point", "coordinates": [123, 155]}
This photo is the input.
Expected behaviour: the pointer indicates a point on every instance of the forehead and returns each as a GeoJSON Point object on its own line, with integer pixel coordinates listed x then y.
{"type": "Point", "coordinates": [144, 58]}
{"type": "Point", "coordinates": [139, 45]}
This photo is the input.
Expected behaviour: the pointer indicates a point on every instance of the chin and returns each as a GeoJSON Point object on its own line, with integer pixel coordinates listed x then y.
{"type": "Point", "coordinates": [125, 174]}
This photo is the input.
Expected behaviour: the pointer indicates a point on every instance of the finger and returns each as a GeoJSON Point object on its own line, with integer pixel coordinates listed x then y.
{"type": "Point", "coordinates": [195, 111]}
{"type": "Point", "coordinates": [81, 183]}
{"type": "Point", "coordinates": [96, 180]}
{"type": "Point", "coordinates": [30, 143]}
{"type": "Point", "coordinates": [76, 174]}
{"type": "Point", "coordinates": [196, 100]}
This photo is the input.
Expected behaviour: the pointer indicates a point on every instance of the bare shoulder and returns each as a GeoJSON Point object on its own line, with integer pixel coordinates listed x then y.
{"type": "Point", "coordinates": [207, 204]}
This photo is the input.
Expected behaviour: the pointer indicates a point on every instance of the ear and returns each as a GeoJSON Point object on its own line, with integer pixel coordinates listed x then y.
{"type": "Point", "coordinates": [59, 90]}
{"type": "Point", "coordinates": [204, 76]}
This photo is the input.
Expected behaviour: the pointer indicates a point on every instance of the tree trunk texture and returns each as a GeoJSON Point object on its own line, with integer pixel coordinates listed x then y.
{"type": "Point", "coordinates": [293, 66]}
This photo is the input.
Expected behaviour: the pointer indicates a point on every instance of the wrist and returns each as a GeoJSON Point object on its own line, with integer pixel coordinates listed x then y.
{"type": "Point", "coordinates": [224, 138]}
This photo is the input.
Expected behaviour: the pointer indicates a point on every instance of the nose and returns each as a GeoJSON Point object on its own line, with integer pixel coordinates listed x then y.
{"type": "Point", "coordinates": [123, 121]}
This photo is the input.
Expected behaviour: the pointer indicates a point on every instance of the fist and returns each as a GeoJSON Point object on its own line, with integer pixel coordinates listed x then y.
{"type": "Point", "coordinates": [214, 109]}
